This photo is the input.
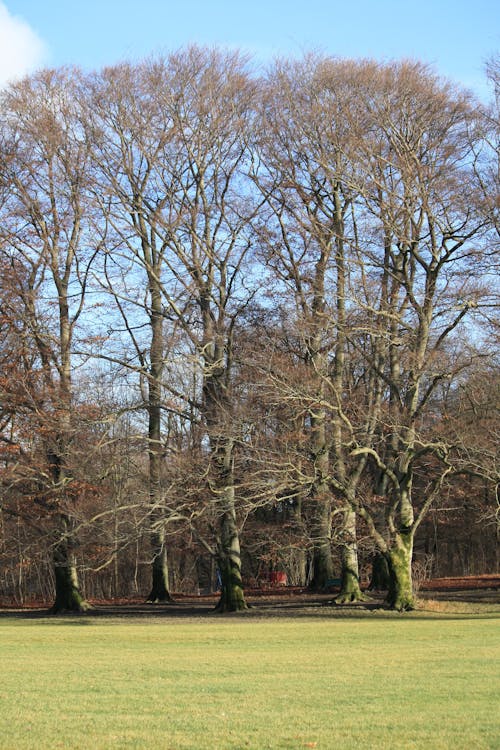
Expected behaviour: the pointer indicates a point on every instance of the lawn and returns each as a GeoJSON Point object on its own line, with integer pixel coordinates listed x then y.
{"type": "Point", "coordinates": [422, 680]}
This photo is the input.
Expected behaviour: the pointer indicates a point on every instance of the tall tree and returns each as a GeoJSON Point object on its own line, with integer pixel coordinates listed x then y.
{"type": "Point", "coordinates": [129, 135]}
{"type": "Point", "coordinates": [308, 179]}
{"type": "Point", "coordinates": [44, 227]}
{"type": "Point", "coordinates": [174, 138]}
{"type": "Point", "coordinates": [422, 196]}
{"type": "Point", "coordinates": [211, 100]}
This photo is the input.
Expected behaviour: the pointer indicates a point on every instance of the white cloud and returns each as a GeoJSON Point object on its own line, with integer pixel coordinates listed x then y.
{"type": "Point", "coordinates": [21, 49]}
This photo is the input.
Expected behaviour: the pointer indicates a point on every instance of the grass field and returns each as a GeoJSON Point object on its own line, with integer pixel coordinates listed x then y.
{"type": "Point", "coordinates": [422, 680]}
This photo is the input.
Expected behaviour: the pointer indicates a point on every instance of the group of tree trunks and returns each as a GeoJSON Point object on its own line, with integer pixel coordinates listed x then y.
{"type": "Point", "coordinates": [239, 307]}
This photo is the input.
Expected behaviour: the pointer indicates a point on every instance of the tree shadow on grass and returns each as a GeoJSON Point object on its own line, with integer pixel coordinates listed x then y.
{"type": "Point", "coordinates": [271, 607]}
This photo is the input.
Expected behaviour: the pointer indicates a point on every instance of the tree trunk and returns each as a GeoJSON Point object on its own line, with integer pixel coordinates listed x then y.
{"type": "Point", "coordinates": [297, 567]}
{"type": "Point", "coordinates": [350, 590]}
{"type": "Point", "coordinates": [159, 570]}
{"type": "Point", "coordinates": [399, 558]}
{"type": "Point", "coordinates": [217, 409]}
{"type": "Point", "coordinates": [298, 558]}
{"type": "Point", "coordinates": [380, 574]}
{"type": "Point", "coordinates": [68, 597]}
{"type": "Point", "coordinates": [232, 598]}
{"type": "Point", "coordinates": [322, 561]}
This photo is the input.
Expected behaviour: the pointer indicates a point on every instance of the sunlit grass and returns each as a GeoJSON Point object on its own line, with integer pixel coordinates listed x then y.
{"type": "Point", "coordinates": [395, 681]}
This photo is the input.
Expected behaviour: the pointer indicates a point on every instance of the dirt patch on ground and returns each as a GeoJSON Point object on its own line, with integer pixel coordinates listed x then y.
{"type": "Point", "coordinates": [461, 584]}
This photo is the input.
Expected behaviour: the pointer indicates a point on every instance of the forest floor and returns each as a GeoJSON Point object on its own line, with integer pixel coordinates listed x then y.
{"type": "Point", "coordinates": [439, 595]}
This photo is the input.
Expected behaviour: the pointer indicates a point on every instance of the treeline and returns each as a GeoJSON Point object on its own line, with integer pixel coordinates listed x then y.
{"type": "Point", "coordinates": [247, 324]}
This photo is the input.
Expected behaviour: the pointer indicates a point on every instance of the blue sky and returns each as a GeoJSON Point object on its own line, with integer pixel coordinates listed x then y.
{"type": "Point", "coordinates": [456, 36]}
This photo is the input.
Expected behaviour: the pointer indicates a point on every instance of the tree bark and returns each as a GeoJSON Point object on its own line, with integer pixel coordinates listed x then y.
{"type": "Point", "coordinates": [350, 589]}
{"type": "Point", "coordinates": [322, 560]}
{"type": "Point", "coordinates": [320, 496]}
{"type": "Point", "coordinates": [380, 574]}
{"type": "Point", "coordinates": [159, 570]}
{"type": "Point", "coordinates": [400, 595]}
{"type": "Point", "coordinates": [67, 594]}
{"type": "Point", "coordinates": [217, 413]}
{"type": "Point", "coordinates": [68, 597]}
{"type": "Point", "coordinates": [232, 598]}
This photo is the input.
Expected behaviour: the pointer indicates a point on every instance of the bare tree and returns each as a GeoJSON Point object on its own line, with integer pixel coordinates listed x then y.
{"type": "Point", "coordinates": [129, 134]}
{"type": "Point", "coordinates": [422, 196]}
{"type": "Point", "coordinates": [174, 139]}
{"type": "Point", "coordinates": [44, 227]}
{"type": "Point", "coordinates": [309, 181]}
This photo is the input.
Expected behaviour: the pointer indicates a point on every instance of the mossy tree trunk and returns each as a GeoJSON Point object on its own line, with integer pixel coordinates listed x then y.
{"type": "Point", "coordinates": [399, 558]}
{"type": "Point", "coordinates": [320, 504]}
{"type": "Point", "coordinates": [319, 500]}
{"type": "Point", "coordinates": [380, 573]}
{"type": "Point", "coordinates": [232, 598]}
{"type": "Point", "coordinates": [217, 411]}
{"type": "Point", "coordinates": [159, 567]}
{"type": "Point", "coordinates": [350, 588]}
{"type": "Point", "coordinates": [159, 570]}
{"type": "Point", "coordinates": [68, 597]}
{"type": "Point", "coordinates": [322, 561]}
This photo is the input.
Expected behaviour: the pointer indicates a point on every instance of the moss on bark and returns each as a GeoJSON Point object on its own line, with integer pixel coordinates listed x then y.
{"type": "Point", "coordinates": [350, 589]}
{"type": "Point", "coordinates": [400, 594]}
{"type": "Point", "coordinates": [232, 598]}
{"type": "Point", "coordinates": [68, 597]}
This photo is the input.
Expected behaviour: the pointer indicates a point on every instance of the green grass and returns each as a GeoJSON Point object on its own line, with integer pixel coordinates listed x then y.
{"type": "Point", "coordinates": [416, 681]}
